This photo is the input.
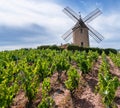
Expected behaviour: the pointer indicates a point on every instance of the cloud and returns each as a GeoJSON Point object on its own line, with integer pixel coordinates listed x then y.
{"type": "Point", "coordinates": [32, 21]}
{"type": "Point", "coordinates": [108, 25]}
{"type": "Point", "coordinates": [17, 35]}
{"type": "Point", "coordinates": [19, 13]}
{"type": "Point", "coordinates": [28, 23]}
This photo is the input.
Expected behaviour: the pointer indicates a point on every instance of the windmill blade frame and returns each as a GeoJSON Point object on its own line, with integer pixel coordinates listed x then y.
{"type": "Point", "coordinates": [95, 34]}
{"type": "Point", "coordinates": [94, 37]}
{"type": "Point", "coordinates": [92, 15]}
{"type": "Point", "coordinates": [73, 12]}
{"type": "Point", "coordinates": [67, 36]}
{"type": "Point", "coordinates": [81, 36]}
{"type": "Point", "coordinates": [73, 15]}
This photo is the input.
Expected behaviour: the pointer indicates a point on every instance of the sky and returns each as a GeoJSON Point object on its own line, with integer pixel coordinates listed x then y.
{"type": "Point", "coordinates": [31, 23]}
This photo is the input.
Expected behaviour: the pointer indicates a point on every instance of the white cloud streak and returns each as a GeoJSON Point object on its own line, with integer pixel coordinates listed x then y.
{"type": "Point", "coordinates": [108, 25]}
{"type": "Point", "coordinates": [19, 13]}
{"type": "Point", "coordinates": [49, 15]}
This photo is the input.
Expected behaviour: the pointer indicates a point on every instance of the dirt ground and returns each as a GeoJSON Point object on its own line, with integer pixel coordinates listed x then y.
{"type": "Point", "coordinates": [115, 71]}
{"type": "Point", "coordinates": [83, 97]}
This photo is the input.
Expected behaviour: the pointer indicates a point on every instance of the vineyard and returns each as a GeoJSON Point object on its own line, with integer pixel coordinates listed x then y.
{"type": "Point", "coordinates": [45, 78]}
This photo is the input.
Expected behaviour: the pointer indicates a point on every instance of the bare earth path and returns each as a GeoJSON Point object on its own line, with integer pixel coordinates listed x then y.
{"type": "Point", "coordinates": [83, 97]}
{"type": "Point", "coordinates": [88, 98]}
{"type": "Point", "coordinates": [115, 71]}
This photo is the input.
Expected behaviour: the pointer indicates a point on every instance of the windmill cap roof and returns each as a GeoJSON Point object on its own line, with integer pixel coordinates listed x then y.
{"type": "Point", "coordinates": [80, 24]}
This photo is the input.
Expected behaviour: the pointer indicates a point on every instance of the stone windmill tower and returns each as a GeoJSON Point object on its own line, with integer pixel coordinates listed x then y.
{"type": "Point", "coordinates": [81, 30]}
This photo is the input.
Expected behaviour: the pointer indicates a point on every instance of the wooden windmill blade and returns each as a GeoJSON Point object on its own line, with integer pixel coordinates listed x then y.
{"type": "Point", "coordinates": [94, 37]}
{"type": "Point", "coordinates": [73, 12]}
{"type": "Point", "coordinates": [93, 33]}
{"type": "Point", "coordinates": [92, 15]}
{"type": "Point", "coordinates": [73, 15]}
{"type": "Point", "coordinates": [97, 33]}
{"type": "Point", "coordinates": [67, 36]}
{"type": "Point", "coordinates": [80, 36]}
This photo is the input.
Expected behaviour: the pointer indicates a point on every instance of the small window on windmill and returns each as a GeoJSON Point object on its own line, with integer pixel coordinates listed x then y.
{"type": "Point", "coordinates": [81, 44]}
{"type": "Point", "coordinates": [81, 30]}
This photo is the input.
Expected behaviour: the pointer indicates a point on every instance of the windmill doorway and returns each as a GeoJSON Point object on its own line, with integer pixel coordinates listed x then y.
{"type": "Point", "coordinates": [81, 44]}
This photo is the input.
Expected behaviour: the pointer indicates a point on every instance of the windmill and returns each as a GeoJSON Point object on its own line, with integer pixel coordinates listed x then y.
{"type": "Point", "coordinates": [81, 30]}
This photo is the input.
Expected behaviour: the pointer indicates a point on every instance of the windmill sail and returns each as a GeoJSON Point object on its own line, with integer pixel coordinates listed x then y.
{"type": "Point", "coordinates": [74, 16]}
{"type": "Point", "coordinates": [67, 34]}
{"type": "Point", "coordinates": [95, 33]}
{"type": "Point", "coordinates": [92, 15]}
{"type": "Point", "coordinates": [94, 36]}
{"type": "Point", "coordinates": [80, 36]}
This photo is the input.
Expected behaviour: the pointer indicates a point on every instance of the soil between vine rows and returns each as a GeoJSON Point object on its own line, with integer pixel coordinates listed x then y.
{"type": "Point", "coordinates": [83, 97]}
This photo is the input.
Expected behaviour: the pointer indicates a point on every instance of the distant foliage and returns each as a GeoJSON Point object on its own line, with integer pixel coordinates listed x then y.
{"type": "Point", "coordinates": [99, 50]}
